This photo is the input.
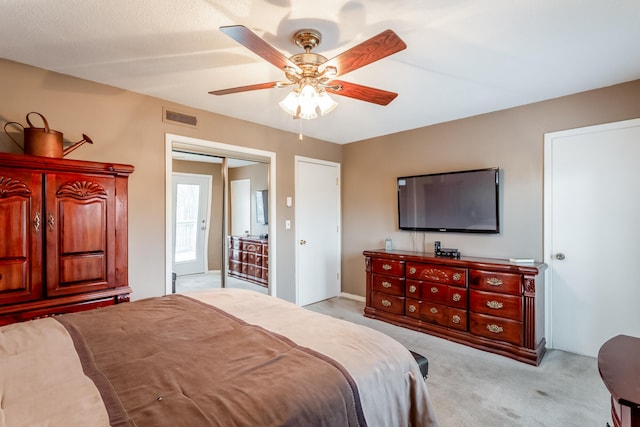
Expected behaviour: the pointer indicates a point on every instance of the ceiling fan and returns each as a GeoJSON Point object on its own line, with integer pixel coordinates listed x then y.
{"type": "Point", "coordinates": [312, 75]}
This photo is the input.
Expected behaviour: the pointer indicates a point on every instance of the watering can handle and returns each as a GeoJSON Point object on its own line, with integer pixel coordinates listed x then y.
{"type": "Point", "coordinates": [9, 135]}
{"type": "Point", "coordinates": [46, 124]}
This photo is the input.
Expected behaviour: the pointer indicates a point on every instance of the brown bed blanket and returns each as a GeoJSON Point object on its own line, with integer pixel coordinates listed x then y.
{"type": "Point", "coordinates": [222, 357]}
{"type": "Point", "coordinates": [177, 361]}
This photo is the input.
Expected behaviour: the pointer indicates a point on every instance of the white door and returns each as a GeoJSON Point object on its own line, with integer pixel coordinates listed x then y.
{"type": "Point", "coordinates": [317, 214]}
{"type": "Point", "coordinates": [240, 207]}
{"type": "Point", "coordinates": [592, 235]}
{"type": "Point", "coordinates": [191, 213]}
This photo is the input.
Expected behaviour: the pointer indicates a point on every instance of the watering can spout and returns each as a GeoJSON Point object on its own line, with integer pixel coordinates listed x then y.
{"type": "Point", "coordinates": [75, 145]}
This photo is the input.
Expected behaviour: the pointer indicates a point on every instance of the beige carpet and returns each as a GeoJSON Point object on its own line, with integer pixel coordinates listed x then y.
{"type": "Point", "coordinates": [211, 279]}
{"type": "Point", "coordinates": [473, 388]}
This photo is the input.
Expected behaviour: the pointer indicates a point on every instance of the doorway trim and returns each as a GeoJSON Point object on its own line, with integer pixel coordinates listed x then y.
{"type": "Point", "coordinates": [225, 150]}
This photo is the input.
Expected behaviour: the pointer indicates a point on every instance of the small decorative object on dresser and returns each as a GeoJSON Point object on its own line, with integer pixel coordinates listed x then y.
{"type": "Point", "coordinates": [489, 304]}
{"type": "Point", "coordinates": [619, 367]}
{"type": "Point", "coordinates": [64, 236]}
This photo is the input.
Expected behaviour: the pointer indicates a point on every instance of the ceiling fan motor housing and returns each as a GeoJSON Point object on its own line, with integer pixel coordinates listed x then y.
{"type": "Point", "coordinates": [307, 38]}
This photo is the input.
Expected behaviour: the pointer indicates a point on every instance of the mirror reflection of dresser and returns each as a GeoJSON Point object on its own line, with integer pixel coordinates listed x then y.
{"type": "Point", "coordinates": [249, 259]}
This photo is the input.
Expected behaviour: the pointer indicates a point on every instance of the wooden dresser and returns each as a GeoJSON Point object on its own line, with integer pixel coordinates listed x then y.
{"type": "Point", "coordinates": [64, 236]}
{"type": "Point", "coordinates": [619, 366]}
{"type": "Point", "coordinates": [249, 259]}
{"type": "Point", "coordinates": [490, 304]}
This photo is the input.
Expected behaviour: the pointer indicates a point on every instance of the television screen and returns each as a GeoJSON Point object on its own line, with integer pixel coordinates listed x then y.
{"type": "Point", "coordinates": [465, 201]}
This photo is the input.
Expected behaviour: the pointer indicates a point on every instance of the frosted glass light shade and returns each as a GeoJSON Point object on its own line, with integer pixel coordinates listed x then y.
{"type": "Point", "coordinates": [308, 100]}
{"type": "Point", "coordinates": [325, 103]}
{"type": "Point", "coordinates": [290, 103]}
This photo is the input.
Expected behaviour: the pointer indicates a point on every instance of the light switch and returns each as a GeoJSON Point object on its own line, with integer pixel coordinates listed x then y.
{"type": "Point", "coordinates": [289, 201]}
{"type": "Point", "coordinates": [287, 224]}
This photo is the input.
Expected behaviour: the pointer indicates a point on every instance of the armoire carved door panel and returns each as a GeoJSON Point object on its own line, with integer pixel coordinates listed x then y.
{"type": "Point", "coordinates": [80, 233]}
{"type": "Point", "coordinates": [21, 225]}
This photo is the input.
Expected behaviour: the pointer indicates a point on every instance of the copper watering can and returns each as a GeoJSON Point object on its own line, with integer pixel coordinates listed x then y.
{"type": "Point", "coordinates": [44, 141]}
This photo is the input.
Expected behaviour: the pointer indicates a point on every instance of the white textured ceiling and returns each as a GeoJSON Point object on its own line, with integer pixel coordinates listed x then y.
{"type": "Point", "coordinates": [464, 57]}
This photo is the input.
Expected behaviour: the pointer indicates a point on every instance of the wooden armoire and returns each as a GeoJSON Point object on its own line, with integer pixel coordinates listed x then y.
{"type": "Point", "coordinates": [63, 236]}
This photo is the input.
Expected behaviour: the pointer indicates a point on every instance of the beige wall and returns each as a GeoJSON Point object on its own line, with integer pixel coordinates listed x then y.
{"type": "Point", "coordinates": [510, 139]}
{"type": "Point", "coordinates": [127, 128]}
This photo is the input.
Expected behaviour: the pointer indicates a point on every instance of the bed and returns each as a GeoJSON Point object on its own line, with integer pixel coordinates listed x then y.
{"type": "Point", "coordinates": [224, 357]}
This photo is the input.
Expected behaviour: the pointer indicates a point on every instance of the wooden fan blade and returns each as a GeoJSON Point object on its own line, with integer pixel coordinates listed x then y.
{"type": "Point", "coordinates": [251, 41]}
{"type": "Point", "coordinates": [244, 88]}
{"type": "Point", "coordinates": [363, 93]}
{"type": "Point", "coordinates": [377, 47]}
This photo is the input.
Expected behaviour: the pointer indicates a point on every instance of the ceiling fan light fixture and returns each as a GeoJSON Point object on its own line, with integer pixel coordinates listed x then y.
{"type": "Point", "coordinates": [305, 102]}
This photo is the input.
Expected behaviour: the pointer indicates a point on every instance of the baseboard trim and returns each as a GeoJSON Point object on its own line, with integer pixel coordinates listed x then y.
{"type": "Point", "coordinates": [352, 296]}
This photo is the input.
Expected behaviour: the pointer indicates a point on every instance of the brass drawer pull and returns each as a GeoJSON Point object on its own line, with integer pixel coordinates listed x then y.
{"type": "Point", "coordinates": [386, 303]}
{"type": "Point", "coordinates": [495, 329]}
{"type": "Point", "coordinates": [412, 270]}
{"type": "Point", "coordinates": [495, 304]}
{"type": "Point", "coordinates": [412, 289]}
{"type": "Point", "coordinates": [412, 308]}
{"type": "Point", "coordinates": [433, 310]}
{"type": "Point", "coordinates": [434, 290]}
{"type": "Point", "coordinates": [386, 267]}
{"type": "Point", "coordinates": [51, 221]}
{"type": "Point", "coordinates": [457, 276]}
{"type": "Point", "coordinates": [455, 319]}
{"type": "Point", "coordinates": [494, 281]}
{"type": "Point", "coordinates": [36, 222]}
{"type": "Point", "coordinates": [386, 284]}
{"type": "Point", "coordinates": [457, 297]}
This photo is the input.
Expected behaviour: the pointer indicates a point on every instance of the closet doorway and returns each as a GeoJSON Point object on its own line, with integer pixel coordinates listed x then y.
{"type": "Point", "coordinates": [225, 164]}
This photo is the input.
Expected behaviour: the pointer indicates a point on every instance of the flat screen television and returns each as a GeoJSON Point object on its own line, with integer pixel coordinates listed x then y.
{"type": "Point", "coordinates": [462, 202]}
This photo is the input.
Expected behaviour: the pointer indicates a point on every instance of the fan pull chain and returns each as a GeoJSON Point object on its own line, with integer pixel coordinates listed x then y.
{"type": "Point", "coordinates": [300, 137]}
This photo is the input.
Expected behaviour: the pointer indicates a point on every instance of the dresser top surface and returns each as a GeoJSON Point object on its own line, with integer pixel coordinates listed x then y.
{"type": "Point", "coordinates": [463, 261]}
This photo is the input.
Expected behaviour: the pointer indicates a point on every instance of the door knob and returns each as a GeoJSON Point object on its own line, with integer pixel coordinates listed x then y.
{"type": "Point", "coordinates": [559, 256]}
{"type": "Point", "coordinates": [303, 242]}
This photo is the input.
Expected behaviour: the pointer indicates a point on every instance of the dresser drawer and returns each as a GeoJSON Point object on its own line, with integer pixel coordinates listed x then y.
{"type": "Point", "coordinates": [437, 314]}
{"type": "Point", "coordinates": [389, 303]}
{"type": "Point", "coordinates": [434, 313]}
{"type": "Point", "coordinates": [457, 318]}
{"type": "Point", "coordinates": [235, 266]}
{"type": "Point", "coordinates": [254, 259]}
{"type": "Point", "coordinates": [437, 273]}
{"type": "Point", "coordinates": [387, 266]}
{"type": "Point", "coordinates": [457, 297]}
{"type": "Point", "coordinates": [496, 328]}
{"type": "Point", "coordinates": [432, 292]}
{"type": "Point", "coordinates": [252, 247]}
{"type": "Point", "coordinates": [235, 243]}
{"type": "Point", "coordinates": [235, 255]}
{"type": "Point", "coordinates": [254, 270]}
{"type": "Point", "coordinates": [387, 284]}
{"type": "Point", "coordinates": [507, 283]}
{"type": "Point", "coordinates": [496, 304]}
